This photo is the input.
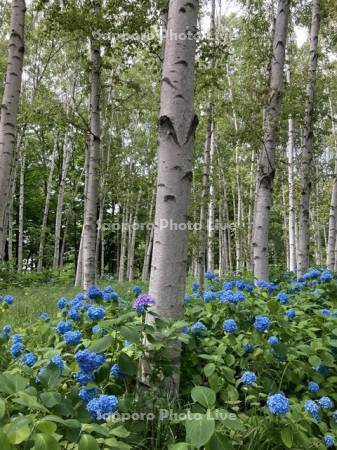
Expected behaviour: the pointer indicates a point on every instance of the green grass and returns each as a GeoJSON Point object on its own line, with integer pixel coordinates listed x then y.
{"type": "Point", "coordinates": [31, 301]}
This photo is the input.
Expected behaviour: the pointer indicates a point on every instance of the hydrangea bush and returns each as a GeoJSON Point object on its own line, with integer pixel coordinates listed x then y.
{"type": "Point", "coordinates": [258, 370]}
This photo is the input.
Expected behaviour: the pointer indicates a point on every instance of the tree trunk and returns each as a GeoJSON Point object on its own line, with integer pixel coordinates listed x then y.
{"type": "Point", "coordinates": [132, 241]}
{"type": "Point", "coordinates": [211, 208]}
{"type": "Point", "coordinates": [125, 216]}
{"type": "Point", "coordinates": [266, 166]}
{"type": "Point", "coordinates": [307, 150]}
{"type": "Point", "coordinates": [333, 205]}
{"type": "Point", "coordinates": [291, 199]}
{"type": "Point", "coordinates": [46, 208]}
{"type": "Point", "coordinates": [90, 216]}
{"type": "Point", "coordinates": [21, 205]}
{"type": "Point", "coordinates": [67, 148]}
{"type": "Point", "coordinates": [9, 109]}
{"type": "Point", "coordinates": [148, 243]}
{"type": "Point", "coordinates": [177, 126]}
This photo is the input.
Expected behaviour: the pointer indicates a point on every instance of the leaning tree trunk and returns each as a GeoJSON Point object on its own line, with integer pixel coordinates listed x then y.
{"type": "Point", "coordinates": [46, 209]}
{"type": "Point", "coordinates": [307, 150]}
{"type": "Point", "coordinates": [177, 126]}
{"type": "Point", "coordinates": [9, 109]}
{"type": "Point", "coordinates": [21, 205]}
{"type": "Point", "coordinates": [90, 216]}
{"type": "Point", "coordinates": [333, 205]}
{"type": "Point", "coordinates": [67, 147]}
{"type": "Point", "coordinates": [266, 167]}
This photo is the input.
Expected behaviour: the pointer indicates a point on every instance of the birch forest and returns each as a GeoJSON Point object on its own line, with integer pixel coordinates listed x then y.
{"type": "Point", "coordinates": [168, 224]}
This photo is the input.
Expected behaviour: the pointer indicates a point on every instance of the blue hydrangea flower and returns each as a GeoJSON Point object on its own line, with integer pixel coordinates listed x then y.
{"type": "Point", "coordinates": [290, 313]}
{"type": "Point", "coordinates": [185, 329]}
{"type": "Point", "coordinates": [6, 331]}
{"type": "Point", "coordinates": [74, 313]}
{"type": "Point", "coordinates": [248, 378]}
{"type": "Point", "coordinates": [312, 273]}
{"type": "Point", "coordinates": [62, 327]}
{"type": "Point", "coordinates": [325, 276]}
{"type": "Point", "coordinates": [107, 296]}
{"type": "Point", "coordinates": [195, 286]}
{"type": "Point", "coordinates": [57, 361]}
{"type": "Point", "coordinates": [249, 287]}
{"type": "Point", "coordinates": [72, 337]}
{"type": "Point", "coordinates": [89, 361]}
{"type": "Point", "coordinates": [197, 327]}
{"type": "Point", "coordinates": [44, 316]}
{"type": "Point", "coordinates": [326, 402]}
{"type": "Point", "coordinates": [209, 275]}
{"type": "Point", "coordinates": [117, 372]}
{"type": "Point", "coordinates": [262, 284]}
{"type": "Point", "coordinates": [209, 296]}
{"type": "Point", "coordinates": [136, 290]}
{"type": "Point", "coordinates": [226, 296]}
{"type": "Point", "coordinates": [273, 340]}
{"type": "Point", "coordinates": [283, 298]}
{"type": "Point", "coordinates": [230, 326]}
{"type": "Point", "coordinates": [313, 387]}
{"type": "Point", "coordinates": [16, 349]}
{"type": "Point", "coordinates": [84, 378]}
{"type": "Point", "coordinates": [248, 347]}
{"type": "Point", "coordinates": [97, 329]}
{"type": "Point", "coordinates": [325, 312]}
{"type": "Point", "coordinates": [87, 394]}
{"type": "Point", "coordinates": [9, 299]}
{"type": "Point", "coordinates": [312, 408]}
{"type": "Point", "coordinates": [262, 323]}
{"type": "Point", "coordinates": [96, 313]}
{"type": "Point", "coordinates": [278, 404]}
{"type": "Point", "coordinates": [334, 415]}
{"type": "Point", "coordinates": [17, 338]}
{"type": "Point", "coordinates": [62, 303]}
{"type": "Point", "coordinates": [100, 408]}
{"type": "Point", "coordinates": [329, 440]}
{"type": "Point", "coordinates": [142, 302]}
{"type": "Point", "coordinates": [94, 293]}
{"type": "Point", "coordinates": [196, 295]}
{"type": "Point", "coordinates": [29, 359]}
{"type": "Point", "coordinates": [187, 299]}
{"type": "Point", "coordinates": [228, 285]}
{"type": "Point", "coordinates": [240, 284]}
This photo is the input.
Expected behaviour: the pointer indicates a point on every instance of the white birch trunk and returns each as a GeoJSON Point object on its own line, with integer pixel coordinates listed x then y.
{"type": "Point", "coordinates": [266, 166]}
{"type": "Point", "coordinates": [333, 205]}
{"type": "Point", "coordinates": [46, 208]}
{"type": "Point", "coordinates": [67, 148]}
{"type": "Point", "coordinates": [307, 150]}
{"type": "Point", "coordinates": [132, 241]}
{"type": "Point", "coordinates": [211, 210]}
{"type": "Point", "coordinates": [148, 243]}
{"type": "Point", "coordinates": [177, 126]}
{"type": "Point", "coordinates": [121, 271]}
{"type": "Point", "coordinates": [90, 216]}
{"type": "Point", "coordinates": [21, 205]}
{"type": "Point", "coordinates": [9, 109]}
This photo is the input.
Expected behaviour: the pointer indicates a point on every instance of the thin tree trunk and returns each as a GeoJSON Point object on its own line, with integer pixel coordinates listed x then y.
{"type": "Point", "coordinates": [46, 208]}
{"type": "Point", "coordinates": [21, 205]}
{"type": "Point", "coordinates": [125, 216]}
{"type": "Point", "coordinates": [148, 243]}
{"type": "Point", "coordinates": [291, 199]}
{"type": "Point", "coordinates": [266, 167]}
{"type": "Point", "coordinates": [67, 148]}
{"type": "Point", "coordinates": [177, 126]}
{"type": "Point", "coordinates": [307, 150]}
{"type": "Point", "coordinates": [90, 216]}
{"type": "Point", "coordinates": [333, 204]}
{"type": "Point", "coordinates": [211, 211]}
{"type": "Point", "coordinates": [132, 241]}
{"type": "Point", "coordinates": [9, 109]}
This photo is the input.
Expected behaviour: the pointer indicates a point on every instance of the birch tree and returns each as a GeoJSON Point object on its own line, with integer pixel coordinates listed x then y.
{"type": "Point", "coordinates": [9, 109]}
{"type": "Point", "coordinates": [307, 149]}
{"type": "Point", "coordinates": [266, 164]}
{"type": "Point", "coordinates": [177, 126]}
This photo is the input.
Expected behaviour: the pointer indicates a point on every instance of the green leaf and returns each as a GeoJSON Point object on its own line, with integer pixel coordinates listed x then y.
{"type": "Point", "coordinates": [287, 437]}
{"type": "Point", "coordinates": [2, 408]}
{"type": "Point", "coordinates": [101, 345]}
{"type": "Point", "coordinates": [209, 369]}
{"type": "Point", "coordinates": [314, 361]}
{"type": "Point", "coordinates": [19, 430]}
{"type": "Point", "coordinates": [44, 441]}
{"type": "Point", "coordinates": [199, 430]}
{"type": "Point", "coordinates": [29, 401]}
{"type": "Point", "coordinates": [50, 377]}
{"type": "Point", "coordinates": [88, 442]}
{"type": "Point", "coordinates": [120, 431]}
{"type": "Point", "coordinates": [219, 442]}
{"type": "Point", "coordinates": [4, 442]}
{"type": "Point", "coordinates": [90, 427]}
{"type": "Point", "coordinates": [50, 399]}
{"type": "Point", "coordinates": [180, 446]}
{"type": "Point", "coordinates": [203, 395]}
{"type": "Point", "coordinates": [130, 333]}
{"type": "Point", "coordinates": [127, 365]}
{"type": "Point", "coordinates": [46, 426]}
